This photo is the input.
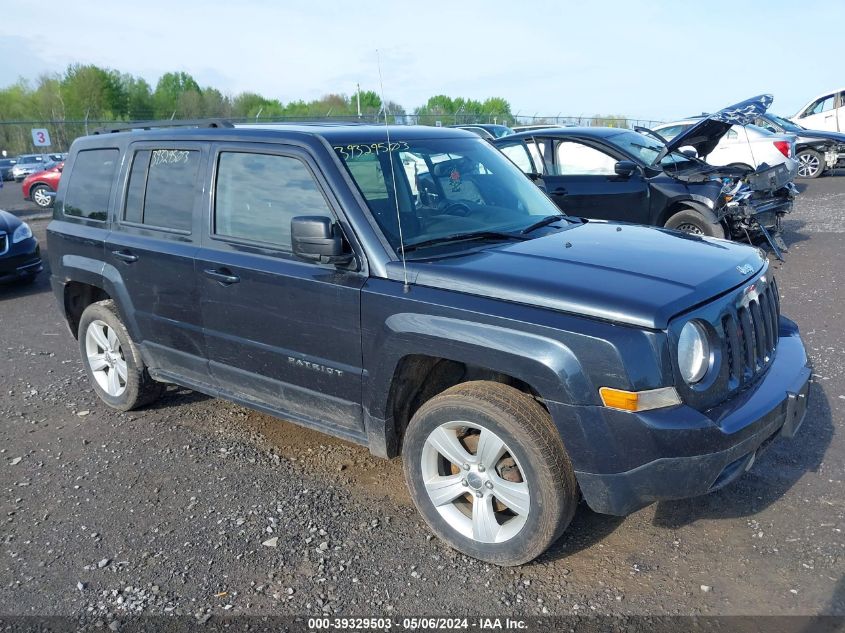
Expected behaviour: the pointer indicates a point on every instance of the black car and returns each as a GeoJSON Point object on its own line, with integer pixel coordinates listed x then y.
{"type": "Point", "coordinates": [20, 256]}
{"type": "Point", "coordinates": [409, 289]}
{"type": "Point", "coordinates": [622, 175]}
{"type": "Point", "coordinates": [6, 165]}
{"type": "Point", "coordinates": [816, 151]}
{"type": "Point", "coordinates": [486, 131]}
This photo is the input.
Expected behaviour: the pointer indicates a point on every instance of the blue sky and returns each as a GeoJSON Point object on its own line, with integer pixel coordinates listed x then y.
{"type": "Point", "coordinates": [656, 60]}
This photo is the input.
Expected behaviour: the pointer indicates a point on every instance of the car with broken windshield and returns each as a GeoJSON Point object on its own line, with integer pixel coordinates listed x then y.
{"type": "Point", "coordinates": [409, 289]}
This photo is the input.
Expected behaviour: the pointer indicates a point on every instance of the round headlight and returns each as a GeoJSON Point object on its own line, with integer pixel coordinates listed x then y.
{"type": "Point", "coordinates": [693, 352]}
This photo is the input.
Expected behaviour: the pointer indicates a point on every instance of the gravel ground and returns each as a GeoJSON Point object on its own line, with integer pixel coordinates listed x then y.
{"type": "Point", "coordinates": [200, 507]}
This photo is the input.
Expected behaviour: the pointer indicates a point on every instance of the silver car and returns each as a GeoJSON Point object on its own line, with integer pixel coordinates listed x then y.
{"type": "Point", "coordinates": [29, 164]}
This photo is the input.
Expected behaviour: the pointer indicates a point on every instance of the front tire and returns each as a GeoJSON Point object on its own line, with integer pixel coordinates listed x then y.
{"type": "Point", "coordinates": [810, 164]}
{"type": "Point", "coordinates": [488, 472]}
{"type": "Point", "coordinates": [112, 361]}
{"type": "Point", "coordinates": [694, 223]}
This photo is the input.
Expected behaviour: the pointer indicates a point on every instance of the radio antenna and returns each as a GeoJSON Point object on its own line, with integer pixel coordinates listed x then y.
{"type": "Point", "coordinates": [406, 287]}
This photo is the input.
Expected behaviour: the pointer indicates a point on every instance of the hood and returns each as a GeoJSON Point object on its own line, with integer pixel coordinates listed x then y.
{"type": "Point", "coordinates": [8, 222]}
{"type": "Point", "coordinates": [624, 273]}
{"type": "Point", "coordinates": [706, 134]}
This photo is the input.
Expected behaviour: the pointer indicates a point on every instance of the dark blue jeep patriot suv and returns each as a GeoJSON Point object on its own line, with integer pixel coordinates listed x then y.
{"type": "Point", "coordinates": [409, 289]}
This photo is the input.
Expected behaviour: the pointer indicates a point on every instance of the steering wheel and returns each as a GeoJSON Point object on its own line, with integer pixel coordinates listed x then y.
{"type": "Point", "coordinates": [456, 208]}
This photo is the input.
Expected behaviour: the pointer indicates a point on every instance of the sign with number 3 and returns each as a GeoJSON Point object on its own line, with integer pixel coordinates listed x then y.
{"type": "Point", "coordinates": [40, 137]}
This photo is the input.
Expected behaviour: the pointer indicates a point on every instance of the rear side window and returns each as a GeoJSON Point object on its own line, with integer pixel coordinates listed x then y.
{"type": "Point", "coordinates": [89, 190]}
{"type": "Point", "coordinates": [162, 188]}
{"type": "Point", "coordinates": [258, 195]}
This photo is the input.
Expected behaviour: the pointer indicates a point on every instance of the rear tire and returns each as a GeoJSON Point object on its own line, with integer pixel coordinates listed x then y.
{"type": "Point", "coordinates": [112, 361]}
{"type": "Point", "coordinates": [810, 164]}
{"type": "Point", "coordinates": [38, 194]}
{"type": "Point", "coordinates": [694, 223]}
{"type": "Point", "coordinates": [514, 492]}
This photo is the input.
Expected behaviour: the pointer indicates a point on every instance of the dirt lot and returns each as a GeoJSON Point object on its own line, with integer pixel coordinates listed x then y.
{"type": "Point", "coordinates": [172, 509]}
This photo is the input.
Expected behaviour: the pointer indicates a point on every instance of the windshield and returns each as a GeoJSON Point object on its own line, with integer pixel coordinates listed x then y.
{"type": "Point", "coordinates": [787, 125]}
{"type": "Point", "coordinates": [646, 149]}
{"type": "Point", "coordinates": [638, 145]}
{"type": "Point", "coordinates": [444, 187]}
{"type": "Point", "coordinates": [500, 130]}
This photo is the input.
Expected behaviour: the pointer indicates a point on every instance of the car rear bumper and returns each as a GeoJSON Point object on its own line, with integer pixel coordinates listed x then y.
{"type": "Point", "coordinates": [679, 452]}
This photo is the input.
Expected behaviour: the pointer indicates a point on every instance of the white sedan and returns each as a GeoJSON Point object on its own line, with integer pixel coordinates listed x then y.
{"type": "Point", "coordinates": [743, 145]}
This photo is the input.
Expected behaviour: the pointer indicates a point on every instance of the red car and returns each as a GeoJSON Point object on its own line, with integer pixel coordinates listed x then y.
{"type": "Point", "coordinates": [39, 186]}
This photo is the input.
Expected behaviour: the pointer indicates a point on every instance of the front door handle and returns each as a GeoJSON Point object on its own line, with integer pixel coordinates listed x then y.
{"type": "Point", "coordinates": [126, 256]}
{"type": "Point", "coordinates": [223, 275]}
{"type": "Point", "coordinates": [560, 191]}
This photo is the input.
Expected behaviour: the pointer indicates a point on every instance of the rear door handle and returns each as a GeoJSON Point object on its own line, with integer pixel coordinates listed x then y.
{"type": "Point", "coordinates": [560, 191]}
{"type": "Point", "coordinates": [125, 256]}
{"type": "Point", "coordinates": [223, 275]}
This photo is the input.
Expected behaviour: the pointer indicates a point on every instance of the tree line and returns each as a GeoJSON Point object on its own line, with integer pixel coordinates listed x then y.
{"type": "Point", "coordinates": [89, 93]}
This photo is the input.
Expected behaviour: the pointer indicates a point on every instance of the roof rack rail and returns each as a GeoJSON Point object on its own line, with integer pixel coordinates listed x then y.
{"type": "Point", "coordinates": [151, 125]}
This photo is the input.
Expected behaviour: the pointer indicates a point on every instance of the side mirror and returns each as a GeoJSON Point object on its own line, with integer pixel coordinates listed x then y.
{"type": "Point", "coordinates": [625, 168]}
{"type": "Point", "coordinates": [315, 238]}
{"type": "Point", "coordinates": [689, 151]}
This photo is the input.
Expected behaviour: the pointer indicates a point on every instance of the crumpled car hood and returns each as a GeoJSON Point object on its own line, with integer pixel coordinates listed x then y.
{"type": "Point", "coordinates": [630, 274]}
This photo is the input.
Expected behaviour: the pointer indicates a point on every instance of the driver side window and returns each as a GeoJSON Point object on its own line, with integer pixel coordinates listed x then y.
{"type": "Point", "coordinates": [822, 105]}
{"type": "Point", "coordinates": [577, 159]}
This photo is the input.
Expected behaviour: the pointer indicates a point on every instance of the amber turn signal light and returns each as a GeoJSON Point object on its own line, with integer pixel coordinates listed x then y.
{"type": "Point", "coordinates": [639, 400]}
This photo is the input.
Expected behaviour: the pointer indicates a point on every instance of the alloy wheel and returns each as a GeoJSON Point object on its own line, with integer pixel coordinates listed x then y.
{"type": "Point", "coordinates": [40, 197]}
{"type": "Point", "coordinates": [105, 358]}
{"type": "Point", "coordinates": [475, 482]}
{"type": "Point", "coordinates": [808, 165]}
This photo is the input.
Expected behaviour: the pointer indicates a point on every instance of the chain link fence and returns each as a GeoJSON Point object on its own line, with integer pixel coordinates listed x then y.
{"type": "Point", "coordinates": [16, 137]}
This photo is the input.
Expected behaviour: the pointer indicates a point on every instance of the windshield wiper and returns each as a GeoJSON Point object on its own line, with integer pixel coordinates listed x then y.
{"type": "Point", "coordinates": [460, 237]}
{"type": "Point", "coordinates": [549, 219]}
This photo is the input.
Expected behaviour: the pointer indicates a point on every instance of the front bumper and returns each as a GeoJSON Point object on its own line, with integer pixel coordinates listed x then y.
{"type": "Point", "coordinates": [22, 261]}
{"type": "Point", "coordinates": [679, 452]}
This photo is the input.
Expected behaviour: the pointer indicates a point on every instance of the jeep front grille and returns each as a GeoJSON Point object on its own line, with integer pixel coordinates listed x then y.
{"type": "Point", "coordinates": [750, 335]}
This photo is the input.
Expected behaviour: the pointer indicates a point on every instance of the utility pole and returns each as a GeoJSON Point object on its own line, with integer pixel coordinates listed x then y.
{"type": "Point", "coordinates": [358, 98]}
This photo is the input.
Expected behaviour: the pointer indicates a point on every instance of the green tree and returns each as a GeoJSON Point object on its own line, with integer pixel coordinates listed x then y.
{"type": "Point", "coordinates": [370, 102]}
{"type": "Point", "coordinates": [139, 98]}
{"type": "Point", "coordinates": [91, 92]}
{"type": "Point", "coordinates": [170, 87]}
{"type": "Point", "coordinates": [47, 100]}
{"type": "Point", "coordinates": [215, 103]}
{"type": "Point", "coordinates": [252, 105]}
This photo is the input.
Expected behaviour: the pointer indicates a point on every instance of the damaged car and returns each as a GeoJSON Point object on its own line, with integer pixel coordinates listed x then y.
{"type": "Point", "coordinates": [628, 176]}
{"type": "Point", "coordinates": [816, 151]}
